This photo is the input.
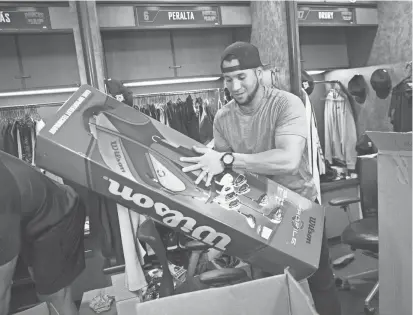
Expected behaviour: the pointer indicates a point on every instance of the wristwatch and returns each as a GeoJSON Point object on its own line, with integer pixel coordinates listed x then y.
{"type": "Point", "coordinates": [228, 159]}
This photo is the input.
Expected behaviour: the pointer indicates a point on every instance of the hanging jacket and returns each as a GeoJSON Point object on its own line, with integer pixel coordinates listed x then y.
{"type": "Point", "coordinates": [3, 135]}
{"type": "Point", "coordinates": [192, 121]}
{"type": "Point", "coordinates": [13, 142]}
{"type": "Point", "coordinates": [206, 122]}
{"type": "Point", "coordinates": [315, 154]}
{"type": "Point", "coordinates": [311, 118]}
{"type": "Point", "coordinates": [152, 110]}
{"type": "Point", "coordinates": [198, 104]}
{"type": "Point", "coordinates": [340, 129]}
{"type": "Point", "coordinates": [181, 116]}
{"type": "Point", "coordinates": [400, 111]}
{"type": "Point", "coordinates": [25, 129]}
{"type": "Point", "coordinates": [173, 116]}
{"type": "Point", "coordinates": [163, 115]}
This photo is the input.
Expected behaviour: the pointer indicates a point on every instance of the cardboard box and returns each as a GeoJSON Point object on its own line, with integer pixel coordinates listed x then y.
{"type": "Point", "coordinates": [127, 306]}
{"type": "Point", "coordinates": [119, 152]}
{"type": "Point", "coordinates": [280, 295]}
{"type": "Point", "coordinates": [40, 309]}
{"type": "Point", "coordinates": [395, 221]}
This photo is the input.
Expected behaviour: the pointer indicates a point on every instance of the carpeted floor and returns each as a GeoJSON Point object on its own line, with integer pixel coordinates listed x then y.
{"type": "Point", "coordinates": [353, 300]}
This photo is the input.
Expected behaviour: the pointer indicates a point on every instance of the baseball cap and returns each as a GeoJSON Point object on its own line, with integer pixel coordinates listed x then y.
{"type": "Point", "coordinates": [119, 91]}
{"type": "Point", "coordinates": [247, 55]}
{"type": "Point", "coordinates": [357, 88]}
{"type": "Point", "coordinates": [307, 82]}
{"type": "Point", "coordinates": [381, 82]}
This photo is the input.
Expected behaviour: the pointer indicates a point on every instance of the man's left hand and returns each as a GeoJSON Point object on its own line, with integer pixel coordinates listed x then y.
{"type": "Point", "coordinates": [210, 163]}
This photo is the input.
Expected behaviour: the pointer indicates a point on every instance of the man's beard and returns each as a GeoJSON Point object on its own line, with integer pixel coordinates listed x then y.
{"type": "Point", "coordinates": [250, 96]}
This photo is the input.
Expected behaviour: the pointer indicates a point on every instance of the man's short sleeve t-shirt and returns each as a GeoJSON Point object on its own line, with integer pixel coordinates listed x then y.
{"type": "Point", "coordinates": [279, 113]}
{"type": "Point", "coordinates": [30, 201]}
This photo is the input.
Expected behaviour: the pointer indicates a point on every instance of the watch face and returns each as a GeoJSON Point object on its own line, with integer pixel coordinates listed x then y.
{"type": "Point", "coordinates": [228, 159]}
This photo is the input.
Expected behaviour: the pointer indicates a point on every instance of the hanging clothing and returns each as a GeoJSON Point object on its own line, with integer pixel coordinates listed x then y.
{"type": "Point", "coordinates": [315, 154]}
{"type": "Point", "coordinates": [26, 129]}
{"type": "Point", "coordinates": [8, 137]}
{"type": "Point", "coordinates": [207, 121]}
{"type": "Point", "coordinates": [340, 129]}
{"type": "Point", "coordinates": [192, 120]}
{"type": "Point", "coordinates": [400, 111]}
{"type": "Point", "coordinates": [17, 137]}
{"type": "Point", "coordinates": [190, 116]}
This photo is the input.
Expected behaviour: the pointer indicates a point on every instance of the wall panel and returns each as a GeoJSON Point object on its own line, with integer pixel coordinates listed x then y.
{"type": "Point", "coordinates": [49, 60]}
{"type": "Point", "coordinates": [269, 34]}
{"type": "Point", "coordinates": [393, 42]}
{"type": "Point", "coordinates": [9, 64]}
{"type": "Point", "coordinates": [138, 55]}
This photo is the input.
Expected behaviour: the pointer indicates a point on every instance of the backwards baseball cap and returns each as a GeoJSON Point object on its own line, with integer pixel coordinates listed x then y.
{"type": "Point", "coordinates": [246, 54]}
{"type": "Point", "coordinates": [357, 88]}
{"type": "Point", "coordinates": [119, 91]}
{"type": "Point", "coordinates": [307, 82]}
{"type": "Point", "coordinates": [381, 82]}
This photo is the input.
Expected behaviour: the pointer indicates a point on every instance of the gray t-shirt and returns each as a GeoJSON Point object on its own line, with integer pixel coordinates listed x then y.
{"type": "Point", "coordinates": [279, 113]}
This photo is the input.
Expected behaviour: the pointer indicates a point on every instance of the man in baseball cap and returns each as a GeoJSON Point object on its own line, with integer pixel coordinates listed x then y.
{"type": "Point", "coordinates": [117, 90]}
{"type": "Point", "coordinates": [242, 56]}
{"type": "Point", "coordinates": [264, 130]}
{"type": "Point", "coordinates": [307, 82]}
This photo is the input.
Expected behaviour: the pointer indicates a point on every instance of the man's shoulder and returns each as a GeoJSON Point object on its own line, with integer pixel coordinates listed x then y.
{"type": "Point", "coordinates": [284, 96]}
{"type": "Point", "coordinates": [285, 102]}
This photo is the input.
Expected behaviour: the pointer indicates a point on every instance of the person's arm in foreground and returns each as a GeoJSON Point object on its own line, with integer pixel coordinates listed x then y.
{"type": "Point", "coordinates": [6, 277]}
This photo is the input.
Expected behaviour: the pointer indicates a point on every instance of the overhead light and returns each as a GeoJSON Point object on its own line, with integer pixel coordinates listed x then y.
{"type": "Point", "coordinates": [171, 81]}
{"type": "Point", "coordinates": [314, 72]}
{"type": "Point", "coordinates": [39, 92]}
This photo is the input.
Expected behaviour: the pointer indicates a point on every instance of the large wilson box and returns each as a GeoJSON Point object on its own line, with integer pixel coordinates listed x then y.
{"type": "Point", "coordinates": [121, 153]}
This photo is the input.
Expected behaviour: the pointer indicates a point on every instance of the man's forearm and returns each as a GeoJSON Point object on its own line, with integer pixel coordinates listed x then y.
{"type": "Point", "coordinates": [270, 162]}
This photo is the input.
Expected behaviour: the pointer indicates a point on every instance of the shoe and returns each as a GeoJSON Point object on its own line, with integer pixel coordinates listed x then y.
{"type": "Point", "coordinates": [171, 240]}
{"type": "Point", "coordinates": [263, 200]}
{"type": "Point", "coordinates": [225, 190]}
{"type": "Point", "coordinates": [240, 180]}
{"type": "Point", "coordinates": [242, 190]}
{"type": "Point", "coordinates": [250, 219]}
{"type": "Point", "coordinates": [226, 261]}
{"type": "Point", "coordinates": [343, 261]}
{"type": "Point", "coordinates": [183, 240]}
{"type": "Point", "coordinates": [233, 205]}
{"type": "Point", "coordinates": [225, 180]}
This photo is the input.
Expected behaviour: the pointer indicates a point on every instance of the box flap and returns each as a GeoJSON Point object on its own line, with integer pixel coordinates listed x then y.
{"type": "Point", "coordinates": [300, 303]}
{"type": "Point", "coordinates": [391, 141]}
{"type": "Point", "coordinates": [266, 296]}
{"type": "Point", "coordinates": [40, 309]}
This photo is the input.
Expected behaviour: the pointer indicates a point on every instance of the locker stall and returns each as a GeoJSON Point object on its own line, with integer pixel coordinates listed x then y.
{"type": "Point", "coordinates": [136, 51]}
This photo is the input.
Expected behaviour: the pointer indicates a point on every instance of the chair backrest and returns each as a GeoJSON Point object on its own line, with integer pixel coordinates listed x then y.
{"type": "Point", "coordinates": [367, 172]}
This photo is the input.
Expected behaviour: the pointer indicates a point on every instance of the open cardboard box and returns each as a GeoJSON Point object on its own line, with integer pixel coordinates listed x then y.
{"type": "Point", "coordinates": [394, 171]}
{"type": "Point", "coordinates": [119, 152]}
{"type": "Point", "coordinates": [277, 295]}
